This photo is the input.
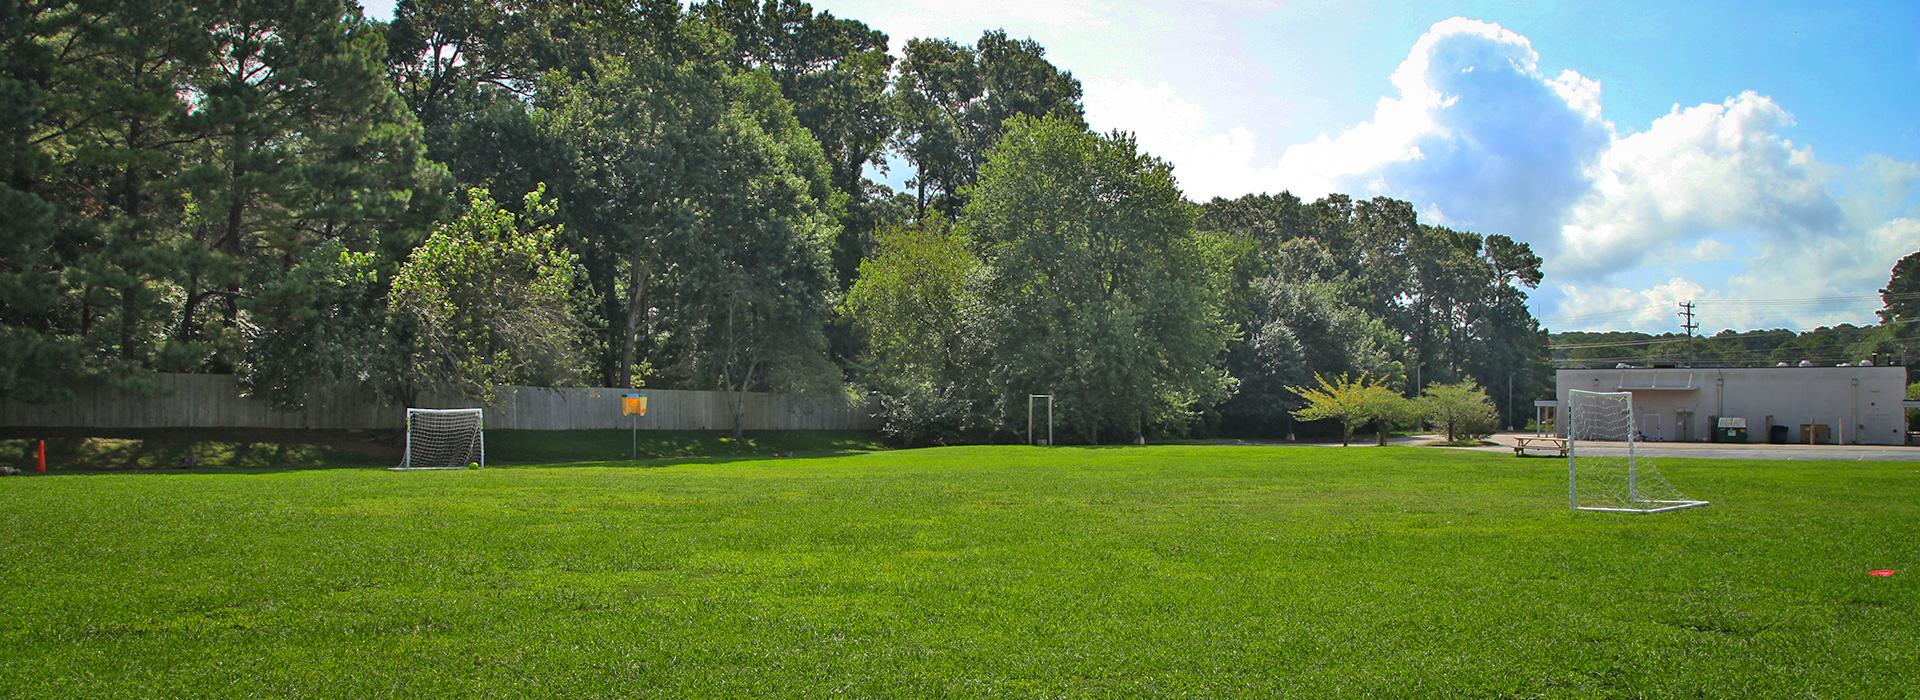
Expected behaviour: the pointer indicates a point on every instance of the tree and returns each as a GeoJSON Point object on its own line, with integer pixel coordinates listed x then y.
{"type": "Point", "coordinates": [1462, 408]}
{"type": "Point", "coordinates": [1099, 284]}
{"type": "Point", "coordinates": [1351, 400]}
{"type": "Point", "coordinates": [916, 306]}
{"type": "Point", "coordinates": [488, 301]}
{"type": "Point", "coordinates": [1389, 410]}
{"type": "Point", "coordinates": [321, 329]}
{"type": "Point", "coordinates": [39, 353]}
{"type": "Point", "coordinates": [836, 73]}
{"type": "Point", "coordinates": [1901, 296]}
{"type": "Point", "coordinates": [954, 102]}
{"type": "Point", "coordinates": [758, 283]}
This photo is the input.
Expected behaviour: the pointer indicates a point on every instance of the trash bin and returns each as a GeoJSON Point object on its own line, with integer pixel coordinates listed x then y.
{"type": "Point", "coordinates": [1729, 429]}
{"type": "Point", "coordinates": [1777, 435]}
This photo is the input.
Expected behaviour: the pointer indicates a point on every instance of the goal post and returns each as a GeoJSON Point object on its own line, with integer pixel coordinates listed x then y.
{"type": "Point", "coordinates": [1031, 398]}
{"type": "Point", "coordinates": [1605, 470]}
{"type": "Point", "coordinates": [444, 438]}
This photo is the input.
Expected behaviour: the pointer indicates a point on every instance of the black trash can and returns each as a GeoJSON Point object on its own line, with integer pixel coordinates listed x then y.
{"type": "Point", "coordinates": [1777, 435]}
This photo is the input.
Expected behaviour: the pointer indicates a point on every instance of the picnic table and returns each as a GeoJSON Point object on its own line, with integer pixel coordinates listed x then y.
{"type": "Point", "coordinates": [1543, 443]}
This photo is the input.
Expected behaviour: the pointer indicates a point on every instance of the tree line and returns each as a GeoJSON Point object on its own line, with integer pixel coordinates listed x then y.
{"type": "Point", "coordinates": [1891, 341]}
{"type": "Point", "coordinates": [651, 193]}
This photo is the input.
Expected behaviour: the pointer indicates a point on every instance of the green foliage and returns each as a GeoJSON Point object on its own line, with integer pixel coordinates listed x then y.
{"type": "Point", "coordinates": [916, 306]}
{"type": "Point", "coordinates": [1462, 409]}
{"type": "Point", "coordinates": [1350, 400]}
{"type": "Point", "coordinates": [953, 103]}
{"type": "Point", "coordinates": [169, 164]}
{"type": "Point", "coordinates": [1338, 285]}
{"type": "Point", "coordinates": [1913, 414]}
{"type": "Point", "coordinates": [487, 300]}
{"type": "Point", "coordinates": [1100, 288]}
{"type": "Point", "coordinates": [1390, 411]}
{"type": "Point", "coordinates": [321, 329]}
{"type": "Point", "coordinates": [1902, 293]}
{"type": "Point", "coordinates": [706, 216]}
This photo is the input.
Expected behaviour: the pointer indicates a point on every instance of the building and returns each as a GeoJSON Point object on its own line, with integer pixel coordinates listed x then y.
{"type": "Point", "coordinates": [1833, 405]}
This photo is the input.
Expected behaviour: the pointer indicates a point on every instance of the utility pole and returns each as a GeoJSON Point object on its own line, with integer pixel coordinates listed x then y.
{"type": "Point", "coordinates": [1687, 322]}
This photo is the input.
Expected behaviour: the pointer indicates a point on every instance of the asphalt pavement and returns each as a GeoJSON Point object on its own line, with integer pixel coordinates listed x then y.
{"type": "Point", "coordinates": [1708, 450]}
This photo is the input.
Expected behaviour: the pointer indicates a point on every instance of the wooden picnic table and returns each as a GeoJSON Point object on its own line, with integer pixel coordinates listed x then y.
{"type": "Point", "coordinates": [1557, 445]}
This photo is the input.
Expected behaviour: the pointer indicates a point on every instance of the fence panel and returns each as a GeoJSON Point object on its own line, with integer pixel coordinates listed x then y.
{"type": "Point", "coordinates": [215, 401]}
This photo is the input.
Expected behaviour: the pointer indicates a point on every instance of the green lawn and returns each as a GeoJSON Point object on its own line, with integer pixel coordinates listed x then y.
{"type": "Point", "coordinates": [1012, 571]}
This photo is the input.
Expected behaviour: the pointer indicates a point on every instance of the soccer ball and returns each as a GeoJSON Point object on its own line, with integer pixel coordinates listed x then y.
{"type": "Point", "coordinates": [473, 465]}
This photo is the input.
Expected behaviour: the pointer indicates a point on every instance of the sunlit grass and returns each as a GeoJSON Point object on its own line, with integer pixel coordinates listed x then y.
{"type": "Point", "coordinates": [1015, 571]}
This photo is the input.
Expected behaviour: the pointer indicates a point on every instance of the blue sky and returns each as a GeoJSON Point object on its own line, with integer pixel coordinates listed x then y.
{"type": "Point", "coordinates": [1761, 159]}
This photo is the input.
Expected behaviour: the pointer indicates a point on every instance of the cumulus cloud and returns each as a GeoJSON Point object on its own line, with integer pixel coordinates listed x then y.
{"type": "Point", "coordinates": [1479, 136]}
{"type": "Point", "coordinates": [1696, 171]}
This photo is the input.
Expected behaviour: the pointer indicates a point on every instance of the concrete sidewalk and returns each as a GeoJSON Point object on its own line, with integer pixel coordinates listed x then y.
{"type": "Point", "coordinates": [1708, 450]}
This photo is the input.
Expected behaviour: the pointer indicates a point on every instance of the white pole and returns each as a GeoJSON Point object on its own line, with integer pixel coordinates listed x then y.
{"type": "Point", "coordinates": [483, 439]}
{"type": "Point", "coordinates": [1573, 498]}
{"type": "Point", "coordinates": [1633, 441]}
{"type": "Point", "coordinates": [1049, 420]}
{"type": "Point", "coordinates": [406, 457]}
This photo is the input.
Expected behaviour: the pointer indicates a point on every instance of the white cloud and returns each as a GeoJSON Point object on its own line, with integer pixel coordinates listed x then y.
{"type": "Point", "coordinates": [1603, 306]}
{"type": "Point", "coordinates": [1213, 162]}
{"type": "Point", "coordinates": [1477, 132]}
{"type": "Point", "coordinates": [1696, 171]}
{"type": "Point", "coordinates": [1709, 250]}
{"type": "Point", "coordinates": [1479, 136]}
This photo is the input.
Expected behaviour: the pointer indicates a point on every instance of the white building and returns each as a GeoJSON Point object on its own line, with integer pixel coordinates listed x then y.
{"type": "Point", "coordinates": [1842, 405]}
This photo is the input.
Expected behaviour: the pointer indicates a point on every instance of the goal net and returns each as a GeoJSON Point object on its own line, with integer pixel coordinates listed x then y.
{"type": "Point", "coordinates": [444, 438]}
{"type": "Point", "coordinates": [1605, 471]}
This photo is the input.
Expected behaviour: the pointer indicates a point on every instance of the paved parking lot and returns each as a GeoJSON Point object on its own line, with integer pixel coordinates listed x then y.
{"type": "Point", "coordinates": [1706, 450]}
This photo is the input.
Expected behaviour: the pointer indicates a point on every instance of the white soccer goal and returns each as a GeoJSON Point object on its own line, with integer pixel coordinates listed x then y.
{"type": "Point", "coordinates": [1605, 471]}
{"type": "Point", "coordinates": [444, 438]}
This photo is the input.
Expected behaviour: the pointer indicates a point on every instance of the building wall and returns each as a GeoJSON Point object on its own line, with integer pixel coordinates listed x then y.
{"type": "Point", "coordinates": [1861, 405]}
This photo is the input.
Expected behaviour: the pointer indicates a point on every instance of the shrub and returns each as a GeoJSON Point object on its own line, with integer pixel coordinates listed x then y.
{"type": "Point", "coordinates": [1462, 409]}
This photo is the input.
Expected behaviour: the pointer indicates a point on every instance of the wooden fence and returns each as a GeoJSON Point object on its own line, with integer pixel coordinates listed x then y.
{"type": "Point", "coordinates": [215, 401]}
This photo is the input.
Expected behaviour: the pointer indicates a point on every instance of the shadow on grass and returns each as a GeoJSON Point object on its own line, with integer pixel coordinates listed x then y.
{"type": "Point", "coordinates": [205, 451]}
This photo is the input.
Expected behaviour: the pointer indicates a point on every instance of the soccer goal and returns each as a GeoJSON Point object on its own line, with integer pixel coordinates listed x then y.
{"type": "Point", "coordinates": [444, 438]}
{"type": "Point", "coordinates": [1604, 470]}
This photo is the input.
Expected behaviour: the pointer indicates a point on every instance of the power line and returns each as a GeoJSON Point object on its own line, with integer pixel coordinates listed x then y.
{"type": "Point", "coordinates": [1689, 324]}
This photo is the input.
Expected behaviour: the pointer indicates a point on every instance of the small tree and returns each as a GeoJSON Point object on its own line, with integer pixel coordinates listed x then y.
{"type": "Point", "coordinates": [488, 299]}
{"type": "Point", "coordinates": [1389, 410]}
{"type": "Point", "coordinates": [1462, 408]}
{"type": "Point", "coordinates": [1913, 414]}
{"type": "Point", "coordinates": [1349, 399]}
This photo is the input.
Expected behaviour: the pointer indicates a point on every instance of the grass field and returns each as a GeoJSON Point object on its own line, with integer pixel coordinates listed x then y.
{"type": "Point", "coordinates": [1012, 571]}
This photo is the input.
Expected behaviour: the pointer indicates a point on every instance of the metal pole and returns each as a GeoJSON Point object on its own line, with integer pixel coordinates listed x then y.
{"type": "Point", "coordinates": [635, 423]}
{"type": "Point", "coordinates": [1573, 497]}
{"type": "Point", "coordinates": [406, 457]}
{"type": "Point", "coordinates": [1029, 419]}
{"type": "Point", "coordinates": [1633, 441]}
{"type": "Point", "coordinates": [1049, 420]}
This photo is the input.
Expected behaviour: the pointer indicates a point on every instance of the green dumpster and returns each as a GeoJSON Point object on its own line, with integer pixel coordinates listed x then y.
{"type": "Point", "coordinates": [1730, 429]}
